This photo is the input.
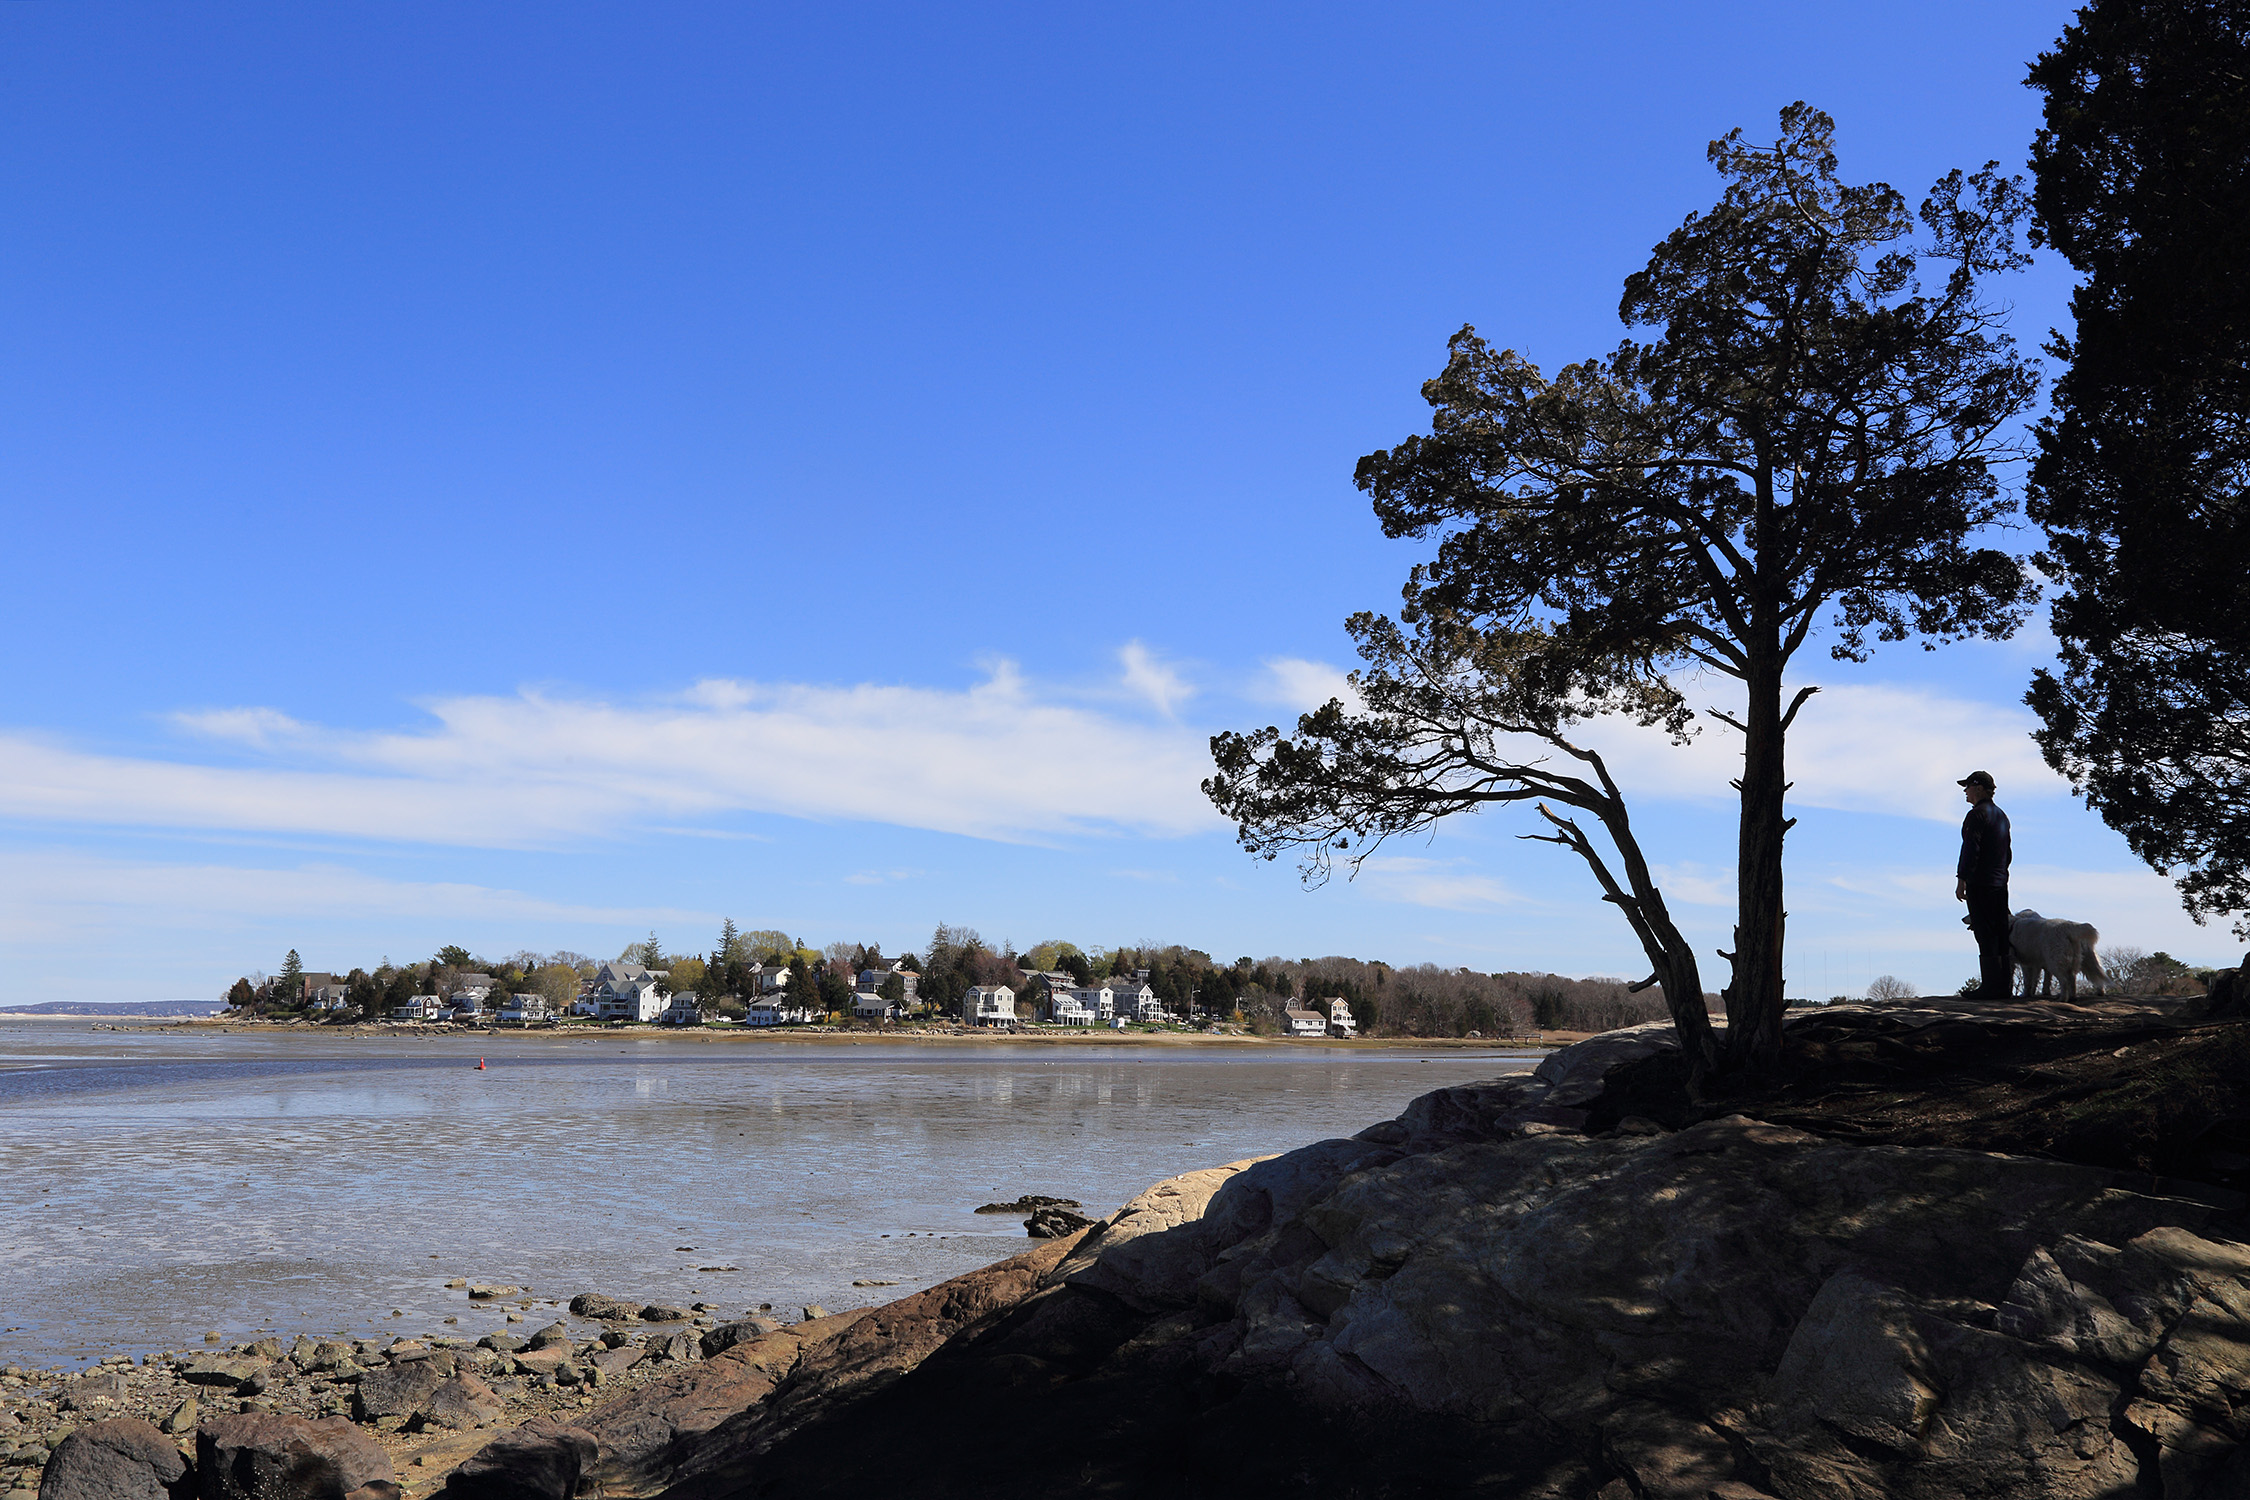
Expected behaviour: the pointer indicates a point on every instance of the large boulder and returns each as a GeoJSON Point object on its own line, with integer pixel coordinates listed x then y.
{"type": "Point", "coordinates": [460, 1403]}
{"type": "Point", "coordinates": [541, 1460]}
{"type": "Point", "coordinates": [233, 1371]}
{"type": "Point", "coordinates": [398, 1389]}
{"type": "Point", "coordinates": [595, 1305]}
{"type": "Point", "coordinates": [267, 1456]}
{"type": "Point", "coordinates": [123, 1458]}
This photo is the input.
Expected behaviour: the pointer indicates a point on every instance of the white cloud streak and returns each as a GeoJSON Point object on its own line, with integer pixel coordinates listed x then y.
{"type": "Point", "coordinates": [1157, 682]}
{"type": "Point", "coordinates": [994, 761]}
{"type": "Point", "coordinates": [1294, 682]}
{"type": "Point", "coordinates": [46, 895]}
{"type": "Point", "coordinates": [1864, 748]}
{"type": "Point", "coordinates": [1447, 885]}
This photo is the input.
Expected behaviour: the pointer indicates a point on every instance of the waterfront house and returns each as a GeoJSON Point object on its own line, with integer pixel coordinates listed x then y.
{"type": "Point", "coordinates": [871, 980]}
{"type": "Point", "coordinates": [1135, 1001]}
{"type": "Point", "coordinates": [989, 1005]}
{"type": "Point", "coordinates": [1097, 998]}
{"type": "Point", "coordinates": [525, 1010]}
{"type": "Point", "coordinates": [1065, 1010]}
{"type": "Point", "coordinates": [634, 1000]}
{"type": "Point", "coordinates": [327, 997]}
{"type": "Point", "coordinates": [420, 1008]}
{"type": "Point", "coordinates": [1305, 1022]}
{"type": "Point", "coordinates": [686, 1009]}
{"type": "Point", "coordinates": [869, 1006]}
{"type": "Point", "coordinates": [776, 1011]}
{"type": "Point", "coordinates": [1340, 1019]}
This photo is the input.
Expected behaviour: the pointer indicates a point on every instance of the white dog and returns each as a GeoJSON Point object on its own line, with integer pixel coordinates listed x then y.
{"type": "Point", "coordinates": [2046, 948]}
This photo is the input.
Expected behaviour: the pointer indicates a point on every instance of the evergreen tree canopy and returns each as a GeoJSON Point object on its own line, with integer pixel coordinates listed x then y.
{"type": "Point", "coordinates": [2143, 473]}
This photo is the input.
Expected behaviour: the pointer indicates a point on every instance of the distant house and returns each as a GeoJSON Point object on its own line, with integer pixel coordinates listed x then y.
{"type": "Point", "coordinates": [628, 1000]}
{"type": "Point", "coordinates": [525, 1010]}
{"type": "Point", "coordinates": [1099, 999]}
{"type": "Point", "coordinates": [1305, 1022]}
{"type": "Point", "coordinates": [1340, 1019]}
{"type": "Point", "coordinates": [420, 1008]}
{"type": "Point", "coordinates": [1135, 1001]}
{"type": "Point", "coordinates": [989, 1005]}
{"type": "Point", "coordinates": [686, 1009]}
{"type": "Point", "coordinates": [869, 1006]}
{"type": "Point", "coordinates": [776, 1012]}
{"type": "Point", "coordinates": [768, 979]}
{"type": "Point", "coordinates": [872, 980]}
{"type": "Point", "coordinates": [309, 982]}
{"type": "Point", "coordinates": [328, 997]}
{"type": "Point", "coordinates": [1066, 1010]}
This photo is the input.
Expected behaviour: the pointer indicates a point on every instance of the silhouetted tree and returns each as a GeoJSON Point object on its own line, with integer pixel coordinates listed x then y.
{"type": "Point", "coordinates": [2143, 473]}
{"type": "Point", "coordinates": [1805, 441]}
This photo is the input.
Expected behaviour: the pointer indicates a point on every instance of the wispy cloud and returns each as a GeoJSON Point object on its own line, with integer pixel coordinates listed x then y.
{"type": "Point", "coordinates": [1867, 748]}
{"type": "Point", "coordinates": [1156, 681]}
{"type": "Point", "coordinates": [1447, 884]}
{"type": "Point", "coordinates": [997, 760]}
{"type": "Point", "coordinates": [1294, 682]}
{"type": "Point", "coordinates": [47, 894]}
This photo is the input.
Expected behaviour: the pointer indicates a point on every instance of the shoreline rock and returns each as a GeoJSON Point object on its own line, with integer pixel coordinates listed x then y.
{"type": "Point", "coordinates": [1554, 1285]}
{"type": "Point", "coordinates": [1481, 1297]}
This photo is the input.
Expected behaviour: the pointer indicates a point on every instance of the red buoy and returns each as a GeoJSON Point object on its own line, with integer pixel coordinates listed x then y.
{"type": "Point", "coordinates": [480, 1065]}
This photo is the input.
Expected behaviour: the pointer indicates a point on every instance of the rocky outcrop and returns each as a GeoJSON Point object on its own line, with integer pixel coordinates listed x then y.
{"type": "Point", "coordinates": [461, 1402]}
{"type": "Point", "coordinates": [1054, 1223]}
{"type": "Point", "coordinates": [262, 1456]}
{"type": "Point", "coordinates": [542, 1460]}
{"type": "Point", "coordinates": [1533, 1288]}
{"type": "Point", "coordinates": [400, 1389]}
{"type": "Point", "coordinates": [122, 1458]}
{"type": "Point", "coordinates": [595, 1305]}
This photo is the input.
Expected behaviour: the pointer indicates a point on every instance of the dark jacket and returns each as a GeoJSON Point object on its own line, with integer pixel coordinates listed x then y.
{"type": "Point", "coordinates": [1984, 846]}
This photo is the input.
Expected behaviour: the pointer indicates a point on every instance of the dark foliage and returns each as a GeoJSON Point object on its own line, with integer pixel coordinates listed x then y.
{"type": "Point", "coordinates": [2143, 472]}
{"type": "Point", "coordinates": [1805, 440]}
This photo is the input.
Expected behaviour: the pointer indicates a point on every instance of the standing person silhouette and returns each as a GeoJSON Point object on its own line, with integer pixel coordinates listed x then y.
{"type": "Point", "coordinates": [1981, 879]}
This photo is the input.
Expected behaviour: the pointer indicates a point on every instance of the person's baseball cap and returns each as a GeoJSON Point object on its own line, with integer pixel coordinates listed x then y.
{"type": "Point", "coordinates": [1977, 778]}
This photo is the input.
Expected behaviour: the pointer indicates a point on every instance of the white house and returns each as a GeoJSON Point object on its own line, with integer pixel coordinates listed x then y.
{"type": "Point", "coordinates": [1065, 1010]}
{"type": "Point", "coordinates": [525, 1010]}
{"type": "Point", "coordinates": [686, 1009]}
{"type": "Point", "coordinates": [618, 971]}
{"type": "Point", "coordinates": [1305, 1022]}
{"type": "Point", "coordinates": [869, 1006]}
{"type": "Point", "coordinates": [1097, 998]}
{"type": "Point", "coordinates": [989, 1005]}
{"type": "Point", "coordinates": [1340, 1020]}
{"type": "Point", "coordinates": [420, 1008]}
{"type": "Point", "coordinates": [629, 1000]}
{"type": "Point", "coordinates": [776, 1012]}
{"type": "Point", "coordinates": [326, 996]}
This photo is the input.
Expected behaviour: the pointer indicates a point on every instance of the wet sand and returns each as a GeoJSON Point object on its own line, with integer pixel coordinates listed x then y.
{"type": "Point", "coordinates": [161, 1181]}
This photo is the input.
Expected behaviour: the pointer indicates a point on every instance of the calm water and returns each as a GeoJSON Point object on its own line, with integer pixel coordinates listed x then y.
{"type": "Point", "coordinates": [156, 1184]}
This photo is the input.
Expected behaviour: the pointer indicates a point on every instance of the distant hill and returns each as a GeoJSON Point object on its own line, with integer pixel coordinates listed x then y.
{"type": "Point", "coordinates": [120, 1008]}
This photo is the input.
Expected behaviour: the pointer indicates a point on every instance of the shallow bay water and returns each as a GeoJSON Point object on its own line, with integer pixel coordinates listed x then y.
{"type": "Point", "coordinates": [159, 1182]}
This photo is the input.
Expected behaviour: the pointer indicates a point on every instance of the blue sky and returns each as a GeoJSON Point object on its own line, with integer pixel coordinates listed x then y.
{"type": "Point", "coordinates": [523, 476]}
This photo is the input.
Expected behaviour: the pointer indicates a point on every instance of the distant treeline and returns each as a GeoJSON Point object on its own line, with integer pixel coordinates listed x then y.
{"type": "Point", "coordinates": [1426, 1000]}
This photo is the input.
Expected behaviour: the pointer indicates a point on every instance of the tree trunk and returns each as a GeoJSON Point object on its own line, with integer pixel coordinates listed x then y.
{"type": "Point", "coordinates": [1754, 1008]}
